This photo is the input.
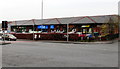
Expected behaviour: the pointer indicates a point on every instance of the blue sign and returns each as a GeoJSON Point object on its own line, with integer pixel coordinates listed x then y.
{"type": "Point", "coordinates": [42, 27]}
{"type": "Point", "coordinates": [46, 27]}
{"type": "Point", "coordinates": [51, 26]}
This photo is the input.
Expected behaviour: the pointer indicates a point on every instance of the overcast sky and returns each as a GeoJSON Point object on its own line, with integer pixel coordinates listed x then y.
{"type": "Point", "coordinates": [31, 9]}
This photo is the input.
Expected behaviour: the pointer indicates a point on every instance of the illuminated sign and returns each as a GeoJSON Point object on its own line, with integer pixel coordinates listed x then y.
{"type": "Point", "coordinates": [42, 26]}
{"type": "Point", "coordinates": [51, 26]}
{"type": "Point", "coordinates": [85, 25]}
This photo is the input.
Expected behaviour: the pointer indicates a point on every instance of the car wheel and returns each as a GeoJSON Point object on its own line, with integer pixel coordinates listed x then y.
{"type": "Point", "coordinates": [9, 39]}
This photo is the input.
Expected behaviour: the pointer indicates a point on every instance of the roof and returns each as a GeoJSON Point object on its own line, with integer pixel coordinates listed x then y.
{"type": "Point", "coordinates": [68, 20]}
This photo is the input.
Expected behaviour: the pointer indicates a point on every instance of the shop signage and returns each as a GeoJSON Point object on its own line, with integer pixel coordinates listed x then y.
{"type": "Point", "coordinates": [85, 25]}
{"type": "Point", "coordinates": [42, 26]}
{"type": "Point", "coordinates": [51, 26]}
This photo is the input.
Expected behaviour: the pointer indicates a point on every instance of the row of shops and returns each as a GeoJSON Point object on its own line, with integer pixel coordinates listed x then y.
{"type": "Point", "coordinates": [86, 28]}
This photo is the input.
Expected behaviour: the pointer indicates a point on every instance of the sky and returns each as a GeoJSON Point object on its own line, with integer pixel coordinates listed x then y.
{"type": "Point", "coordinates": [13, 10]}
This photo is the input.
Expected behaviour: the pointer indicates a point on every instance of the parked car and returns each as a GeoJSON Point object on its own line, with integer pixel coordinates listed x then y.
{"type": "Point", "coordinates": [9, 37]}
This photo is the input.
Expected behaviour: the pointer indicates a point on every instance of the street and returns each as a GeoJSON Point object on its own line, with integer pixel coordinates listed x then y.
{"type": "Point", "coordinates": [0, 55]}
{"type": "Point", "coordinates": [46, 54]}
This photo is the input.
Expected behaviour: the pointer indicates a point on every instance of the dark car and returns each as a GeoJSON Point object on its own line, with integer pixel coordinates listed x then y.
{"type": "Point", "coordinates": [9, 37]}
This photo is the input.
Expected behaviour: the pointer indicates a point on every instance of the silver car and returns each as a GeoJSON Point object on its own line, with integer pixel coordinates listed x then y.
{"type": "Point", "coordinates": [9, 37]}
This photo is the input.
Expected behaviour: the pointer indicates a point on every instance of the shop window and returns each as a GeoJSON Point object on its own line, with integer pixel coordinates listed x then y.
{"type": "Point", "coordinates": [90, 30]}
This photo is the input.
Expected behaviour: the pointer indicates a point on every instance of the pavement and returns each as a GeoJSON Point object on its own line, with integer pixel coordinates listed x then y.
{"type": "Point", "coordinates": [76, 42]}
{"type": "Point", "coordinates": [4, 42]}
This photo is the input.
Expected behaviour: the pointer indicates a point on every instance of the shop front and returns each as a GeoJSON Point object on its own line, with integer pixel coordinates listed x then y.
{"type": "Point", "coordinates": [76, 32]}
{"type": "Point", "coordinates": [72, 29]}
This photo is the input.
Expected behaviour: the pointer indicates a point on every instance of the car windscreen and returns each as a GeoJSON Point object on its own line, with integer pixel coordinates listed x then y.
{"type": "Point", "coordinates": [10, 35]}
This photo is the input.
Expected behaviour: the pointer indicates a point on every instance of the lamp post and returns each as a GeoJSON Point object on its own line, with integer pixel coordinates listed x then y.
{"type": "Point", "coordinates": [42, 9]}
{"type": "Point", "coordinates": [42, 12]}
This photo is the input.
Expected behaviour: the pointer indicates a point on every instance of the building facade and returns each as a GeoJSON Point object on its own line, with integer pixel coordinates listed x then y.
{"type": "Point", "coordinates": [88, 28]}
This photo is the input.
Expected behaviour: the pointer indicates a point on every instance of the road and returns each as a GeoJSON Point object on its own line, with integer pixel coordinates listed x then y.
{"type": "Point", "coordinates": [46, 54]}
{"type": "Point", "coordinates": [0, 55]}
